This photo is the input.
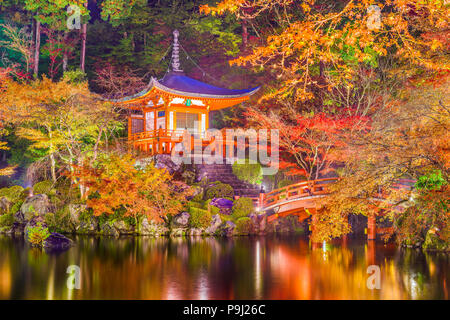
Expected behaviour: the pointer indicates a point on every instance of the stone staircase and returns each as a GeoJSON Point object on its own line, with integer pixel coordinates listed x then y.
{"type": "Point", "coordinates": [224, 174]}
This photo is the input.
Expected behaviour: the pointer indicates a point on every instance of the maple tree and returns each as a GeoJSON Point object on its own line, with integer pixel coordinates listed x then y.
{"type": "Point", "coordinates": [408, 140]}
{"type": "Point", "coordinates": [63, 120]}
{"type": "Point", "coordinates": [116, 181]}
{"type": "Point", "coordinates": [307, 141]}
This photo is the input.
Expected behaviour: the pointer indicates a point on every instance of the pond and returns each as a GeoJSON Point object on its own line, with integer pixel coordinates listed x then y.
{"type": "Point", "coordinates": [287, 267]}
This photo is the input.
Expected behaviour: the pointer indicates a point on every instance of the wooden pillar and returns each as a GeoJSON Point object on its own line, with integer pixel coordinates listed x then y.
{"type": "Point", "coordinates": [261, 199]}
{"type": "Point", "coordinates": [129, 127]}
{"type": "Point", "coordinates": [144, 125]}
{"type": "Point", "coordinates": [371, 227]}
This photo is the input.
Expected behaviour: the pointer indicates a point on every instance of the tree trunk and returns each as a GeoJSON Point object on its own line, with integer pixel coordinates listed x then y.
{"type": "Point", "coordinates": [65, 53]}
{"type": "Point", "coordinates": [244, 34]}
{"type": "Point", "coordinates": [83, 43]}
{"type": "Point", "coordinates": [53, 166]}
{"type": "Point", "coordinates": [37, 47]}
{"type": "Point", "coordinates": [83, 47]}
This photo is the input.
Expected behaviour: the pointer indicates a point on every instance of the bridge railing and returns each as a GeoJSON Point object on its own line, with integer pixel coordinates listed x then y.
{"type": "Point", "coordinates": [299, 190]}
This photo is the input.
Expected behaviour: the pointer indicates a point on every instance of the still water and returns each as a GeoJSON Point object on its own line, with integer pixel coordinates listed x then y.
{"type": "Point", "coordinates": [244, 268]}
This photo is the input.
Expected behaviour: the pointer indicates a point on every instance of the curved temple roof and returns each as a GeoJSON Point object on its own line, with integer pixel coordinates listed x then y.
{"type": "Point", "coordinates": [180, 85]}
{"type": "Point", "coordinates": [177, 85]}
{"type": "Point", "coordinates": [187, 86]}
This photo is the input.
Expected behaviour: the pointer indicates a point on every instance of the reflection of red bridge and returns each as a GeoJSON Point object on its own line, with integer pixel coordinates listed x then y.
{"type": "Point", "coordinates": [300, 199]}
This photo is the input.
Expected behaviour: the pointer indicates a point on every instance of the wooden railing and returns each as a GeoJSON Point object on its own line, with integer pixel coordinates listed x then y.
{"type": "Point", "coordinates": [297, 191]}
{"type": "Point", "coordinates": [163, 140]}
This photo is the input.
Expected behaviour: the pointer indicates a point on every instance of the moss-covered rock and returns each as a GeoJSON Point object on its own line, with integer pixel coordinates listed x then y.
{"type": "Point", "coordinates": [227, 229]}
{"type": "Point", "coordinates": [5, 205]}
{"type": "Point", "coordinates": [199, 218]}
{"type": "Point", "coordinates": [6, 221]}
{"type": "Point", "coordinates": [434, 242]}
{"type": "Point", "coordinates": [13, 194]}
{"type": "Point", "coordinates": [152, 228]}
{"type": "Point", "coordinates": [35, 205]}
{"type": "Point", "coordinates": [60, 221]}
{"type": "Point", "coordinates": [244, 226]}
{"type": "Point", "coordinates": [242, 207]}
{"type": "Point", "coordinates": [44, 187]}
{"type": "Point", "coordinates": [216, 221]}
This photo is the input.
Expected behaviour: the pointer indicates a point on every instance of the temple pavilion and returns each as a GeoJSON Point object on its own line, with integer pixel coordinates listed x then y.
{"type": "Point", "coordinates": [166, 108]}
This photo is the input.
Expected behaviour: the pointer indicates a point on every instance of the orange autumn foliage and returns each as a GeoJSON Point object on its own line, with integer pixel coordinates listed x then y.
{"type": "Point", "coordinates": [116, 182]}
{"type": "Point", "coordinates": [337, 35]}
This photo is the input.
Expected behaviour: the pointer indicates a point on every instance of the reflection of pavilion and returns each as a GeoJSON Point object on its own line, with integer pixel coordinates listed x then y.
{"type": "Point", "coordinates": [161, 112]}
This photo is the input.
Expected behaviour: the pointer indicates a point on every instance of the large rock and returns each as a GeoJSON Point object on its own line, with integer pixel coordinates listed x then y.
{"type": "Point", "coordinates": [108, 230]}
{"type": "Point", "coordinates": [35, 205]}
{"type": "Point", "coordinates": [223, 204]}
{"type": "Point", "coordinates": [215, 224]}
{"type": "Point", "coordinates": [181, 220]}
{"type": "Point", "coordinates": [5, 205]}
{"type": "Point", "coordinates": [123, 228]}
{"type": "Point", "coordinates": [259, 222]}
{"type": "Point", "coordinates": [164, 161]}
{"type": "Point", "coordinates": [227, 229]}
{"type": "Point", "coordinates": [57, 242]}
{"type": "Point", "coordinates": [195, 232]}
{"type": "Point", "coordinates": [152, 228]}
{"type": "Point", "coordinates": [434, 242]}
{"type": "Point", "coordinates": [75, 211]}
{"type": "Point", "coordinates": [89, 226]}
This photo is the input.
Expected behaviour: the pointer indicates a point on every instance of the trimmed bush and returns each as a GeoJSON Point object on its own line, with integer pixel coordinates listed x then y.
{"type": "Point", "coordinates": [199, 218]}
{"type": "Point", "coordinates": [242, 207]}
{"type": "Point", "coordinates": [244, 226]}
{"type": "Point", "coordinates": [13, 194]}
{"type": "Point", "coordinates": [44, 187]}
{"type": "Point", "coordinates": [220, 190]}
{"type": "Point", "coordinates": [249, 172]}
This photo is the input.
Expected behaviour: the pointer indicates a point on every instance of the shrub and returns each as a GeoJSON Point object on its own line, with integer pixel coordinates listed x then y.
{"type": "Point", "coordinates": [249, 172]}
{"type": "Point", "coordinates": [75, 76]}
{"type": "Point", "coordinates": [7, 220]}
{"type": "Point", "coordinates": [196, 204]}
{"type": "Point", "coordinates": [220, 190]}
{"type": "Point", "coordinates": [38, 234]}
{"type": "Point", "coordinates": [244, 226]}
{"type": "Point", "coordinates": [242, 207]}
{"type": "Point", "coordinates": [199, 218]}
{"type": "Point", "coordinates": [16, 207]}
{"type": "Point", "coordinates": [44, 187]}
{"type": "Point", "coordinates": [59, 221]}
{"type": "Point", "coordinates": [13, 194]}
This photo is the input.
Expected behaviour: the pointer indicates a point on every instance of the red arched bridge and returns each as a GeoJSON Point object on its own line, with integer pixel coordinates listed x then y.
{"type": "Point", "coordinates": [300, 199]}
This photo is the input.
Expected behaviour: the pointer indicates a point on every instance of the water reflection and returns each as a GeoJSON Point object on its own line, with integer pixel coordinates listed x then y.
{"type": "Point", "coordinates": [245, 268]}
